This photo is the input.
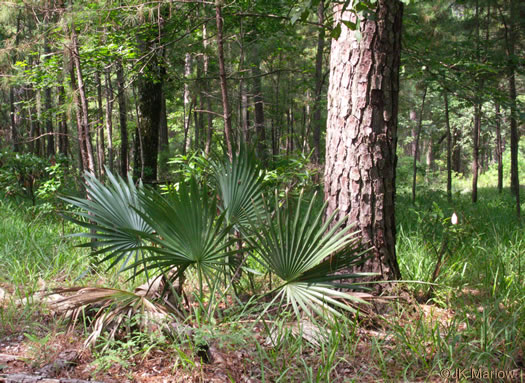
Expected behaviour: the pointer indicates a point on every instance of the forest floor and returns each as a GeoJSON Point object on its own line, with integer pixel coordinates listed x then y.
{"type": "Point", "coordinates": [473, 328]}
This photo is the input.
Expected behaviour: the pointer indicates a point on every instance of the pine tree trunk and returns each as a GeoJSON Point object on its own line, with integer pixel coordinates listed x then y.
{"type": "Point", "coordinates": [86, 148]}
{"type": "Point", "coordinates": [449, 148]}
{"type": "Point", "coordinates": [510, 39]}
{"type": "Point", "coordinates": [187, 103]}
{"type": "Point", "coordinates": [149, 109]}
{"type": "Point", "coordinates": [475, 151]}
{"type": "Point", "coordinates": [109, 116]}
{"type": "Point", "coordinates": [362, 131]}
{"type": "Point", "coordinates": [100, 127]}
{"type": "Point", "coordinates": [12, 115]}
{"type": "Point", "coordinates": [416, 144]}
{"type": "Point", "coordinates": [63, 141]}
{"type": "Point", "coordinates": [499, 148]}
{"type": "Point", "coordinates": [124, 159]}
{"type": "Point", "coordinates": [222, 75]}
{"type": "Point", "coordinates": [50, 148]}
{"type": "Point", "coordinates": [205, 64]}
{"type": "Point", "coordinates": [318, 84]}
{"type": "Point", "coordinates": [260, 128]}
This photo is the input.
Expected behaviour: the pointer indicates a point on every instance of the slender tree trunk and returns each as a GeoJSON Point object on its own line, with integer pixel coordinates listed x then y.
{"type": "Point", "coordinates": [124, 159]}
{"type": "Point", "coordinates": [275, 129]}
{"type": "Point", "coordinates": [12, 115]}
{"type": "Point", "coordinates": [205, 63]}
{"type": "Point", "coordinates": [510, 40]}
{"type": "Point", "coordinates": [82, 107]}
{"type": "Point", "coordinates": [318, 84]}
{"type": "Point", "coordinates": [100, 127]}
{"type": "Point", "coordinates": [449, 148]}
{"type": "Point", "coordinates": [109, 117]}
{"type": "Point", "coordinates": [222, 75]}
{"type": "Point", "coordinates": [362, 131]}
{"type": "Point", "coordinates": [50, 149]}
{"type": "Point", "coordinates": [63, 141]}
{"type": "Point", "coordinates": [475, 151]}
{"type": "Point", "coordinates": [164, 147]}
{"type": "Point", "coordinates": [260, 128]}
{"type": "Point", "coordinates": [416, 147]}
{"type": "Point", "coordinates": [187, 102]}
{"type": "Point", "coordinates": [12, 100]}
{"type": "Point", "coordinates": [499, 148]}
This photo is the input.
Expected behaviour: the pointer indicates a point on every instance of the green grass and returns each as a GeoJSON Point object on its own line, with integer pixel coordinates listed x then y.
{"type": "Point", "coordinates": [475, 318]}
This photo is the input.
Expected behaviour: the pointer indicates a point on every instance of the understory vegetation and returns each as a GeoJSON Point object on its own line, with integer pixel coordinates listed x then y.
{"type": "Point", "coordinates": [461, 304]}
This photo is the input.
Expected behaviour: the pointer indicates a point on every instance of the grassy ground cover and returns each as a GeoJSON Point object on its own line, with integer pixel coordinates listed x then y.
{"type": "Point", "coordinates": [473, 318]}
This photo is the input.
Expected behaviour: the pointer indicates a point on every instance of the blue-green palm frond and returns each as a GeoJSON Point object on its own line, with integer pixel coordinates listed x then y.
{"type": "Point", "coordinates": [111, 212]}
{"type": "Point", "coordinates": [240, 187]}
{"type": "Point", "coordinates": [311, 257]}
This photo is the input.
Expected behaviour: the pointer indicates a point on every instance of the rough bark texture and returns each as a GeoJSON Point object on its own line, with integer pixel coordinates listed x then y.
{"type": "Point", "coordinates": [149, 109]}
{"type": "Point", "coordinates": [362, 131]}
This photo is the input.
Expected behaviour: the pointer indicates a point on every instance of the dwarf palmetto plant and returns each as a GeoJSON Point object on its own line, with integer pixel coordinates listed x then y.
{"type": "Point", "coordinates": [188, 232]}
{"type": "Point", "coordinates": [240, 188]}
{"type": "Point", "coordinates": [311, 258]}
{"type": "Point", "coordinates": [112, 214]}
{"type": "Point", "coordinates": [185, 230]}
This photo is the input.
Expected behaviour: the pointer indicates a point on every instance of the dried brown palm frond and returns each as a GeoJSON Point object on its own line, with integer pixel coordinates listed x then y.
{"type": "Point", "coordinates": [114, 308]}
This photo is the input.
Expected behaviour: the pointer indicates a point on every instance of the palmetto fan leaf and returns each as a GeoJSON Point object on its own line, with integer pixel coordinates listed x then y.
{"type": "Point", "coordinates": [240, 188]}
{"type": "Point", "coordinates": [310, 256]}
{"type": "Point", "coordinates": [112, 212]}
{"type": "Point", "coordinates": [188, 230]}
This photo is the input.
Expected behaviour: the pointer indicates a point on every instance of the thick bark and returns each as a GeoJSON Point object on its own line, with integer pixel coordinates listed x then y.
{"type": "Point", "coordinates": [318, 84]}
{"type": "Point", "coordinates": [416, 144]}
{"type": "Point", "coordinates": [124, 159]}
{"type": "Point", "coordinates": [449, 148]}
{"type": "Point", "coordinates": [499, 148]}
{"type": "Point", "coordinates": [149, 110]}
{"type": "Point", "coordinates": [222, 76]}
{"type": "Point", "coordinates": [362, 131]}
